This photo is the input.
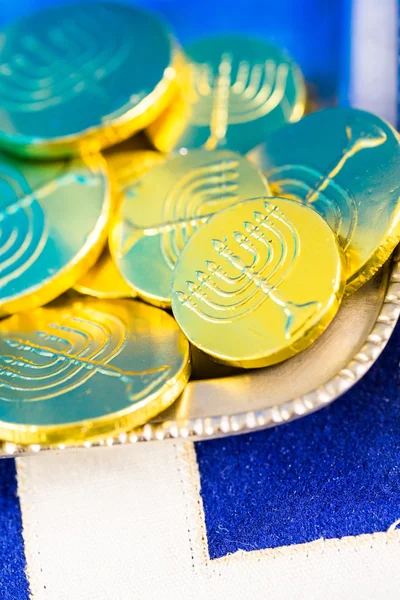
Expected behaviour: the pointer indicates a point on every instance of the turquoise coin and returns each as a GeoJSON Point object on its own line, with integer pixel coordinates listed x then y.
{"type": "Point", "coordinates": [84, 74]}
{"type": "Point", "coordinates": [237, 90]}
{"type": "Point", "coordinates": [345, 163]}
{"type": "Point", "coordinates": [53, 226]}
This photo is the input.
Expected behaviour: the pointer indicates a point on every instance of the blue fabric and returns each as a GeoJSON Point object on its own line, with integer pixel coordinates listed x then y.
{"type": "Point", "coordinates": [13, 582]}
{"type": "Point", "coordinates": [309, 29]}
{"type": "Point", "coordinates": [332, 474]}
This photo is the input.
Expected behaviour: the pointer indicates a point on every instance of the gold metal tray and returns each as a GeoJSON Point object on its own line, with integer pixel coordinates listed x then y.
{"type": "Point", "coordinates": [234, 401]}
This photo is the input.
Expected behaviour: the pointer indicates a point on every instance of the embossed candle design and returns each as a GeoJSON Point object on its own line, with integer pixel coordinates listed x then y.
{"type": "Point", "coordinates": [252, 287]}
{"type": "Point", "coordinates": [217, 101]}
{"type": "Point", "coordinates": [234, 91]}
{"type": "Point", "coordinates": [22, 225]}
{"type": "Point", "coordinates": [71, 82]}
{"type": "Point", "coordinates": [344, 163]}
{"type": "Point", "coordinates": [80, 368]}
{"type": "Point", "coordinates": [261, 257]}
{"type": "Point", "coordinates": [43, 249]}
{"type": "Point", "coordinates": [307, 185]}
{"type": "Point", "coordinates": [65, 62]}
{"type": "Point", "coordinates": [162, 210]}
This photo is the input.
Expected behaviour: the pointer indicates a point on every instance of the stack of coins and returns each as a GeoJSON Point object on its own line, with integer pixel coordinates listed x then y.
{"type": "Point", "coordinates": [250, 222]}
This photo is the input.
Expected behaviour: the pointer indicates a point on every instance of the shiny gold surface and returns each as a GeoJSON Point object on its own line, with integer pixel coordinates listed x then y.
{"type": "Point", "coordinates": [54, 220]}
{"type": "Point", "coordinates": [165, 206]}
{"type": "Point", "coordinates": [234, 91]}
{"type": "Point", "coordinates": [103, 280]}
{"type": "Point", "coordinates": [259, 282]}
{"type": "Point", "coordinates": [344, 163]}
{"type": "Point", "coordinates": [281, 393]}
{"type": "Point", "coordinates": [81, 368]}
{"type": "Point", "coordinates": [221, 398]}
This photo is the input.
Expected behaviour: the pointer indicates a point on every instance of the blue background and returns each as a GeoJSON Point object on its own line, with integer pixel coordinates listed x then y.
{"type": "Point", "coordinates": [311, 30]}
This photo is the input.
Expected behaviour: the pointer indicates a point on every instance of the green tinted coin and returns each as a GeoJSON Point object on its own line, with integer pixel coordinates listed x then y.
{"type": "Point", "coordinates": [81, 77]}
{"type": "Point", "coordinates": [162, 209]}
{"type": "Point", "coordinates": [53, 226]}
{"type": "Point", "coordinates": [235, 92]}
{"type": "Point", "coordinates": [345, 163]}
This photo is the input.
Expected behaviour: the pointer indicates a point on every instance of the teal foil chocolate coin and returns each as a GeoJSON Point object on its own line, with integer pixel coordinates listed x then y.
{"type": "Point", "coordinates": [236, 90]}
{"type": "Point", "coordinates": [82, 77]}
{"type": "Point", "coordinates": [344, 163]}
{"type": "Point", "coordinates": [53, 226]}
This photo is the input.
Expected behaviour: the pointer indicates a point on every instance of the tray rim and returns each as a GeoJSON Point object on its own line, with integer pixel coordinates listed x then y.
{"type": "Point", "coordinates": [202, 428]}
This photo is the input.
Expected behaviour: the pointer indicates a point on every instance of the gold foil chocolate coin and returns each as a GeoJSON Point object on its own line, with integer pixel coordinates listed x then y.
{"type": "Point", "coordinates": [166, 205]}
{"type": "Point", "coordinates": [82, 368]}
{"type": "Point", "coordinates": [259, 282]}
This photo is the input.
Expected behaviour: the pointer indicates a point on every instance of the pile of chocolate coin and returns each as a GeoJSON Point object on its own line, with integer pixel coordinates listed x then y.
{"type": "Point", "coordinates": [156, 198]}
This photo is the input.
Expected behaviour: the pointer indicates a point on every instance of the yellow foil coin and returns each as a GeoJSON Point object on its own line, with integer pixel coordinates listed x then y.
{"type": "Point", "coordinates": [234, 91]}
{"type": "Point", "coordinates": [344, 163]}
{"type": "Point", "coordinates": [79, 369]}
{"type": "Point", "coordinates": [259, 282]}
{"type": "Point", "coordinates": [166, 205]}
{"type": "Point", "coordinates": [103, 280]}
{"type": "Point", "coordinates": [53, 226]}
{"type": "Point", "coordinates": [78, 78]}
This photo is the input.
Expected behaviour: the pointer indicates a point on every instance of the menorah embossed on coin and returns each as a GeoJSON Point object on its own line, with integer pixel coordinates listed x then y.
{"type": "Point", "coordinates": [67, 354]}
{"type": "Point", "coordinates": [195, 196]}
{"type": "Point", "coordinates": [73, 57]}
{"type": "Point", "coordinates": [23, 229]}
{"type": "Point", "coordinates": [221, 99]}
{"type": "Point", "coordinates": [320, 190]}
{"type": "Point", "coordinates": [23, 233]}
{"type": "Point", "coordinates": [200, 193]}
{"type": "Point", "coordinates": [252, 265]}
